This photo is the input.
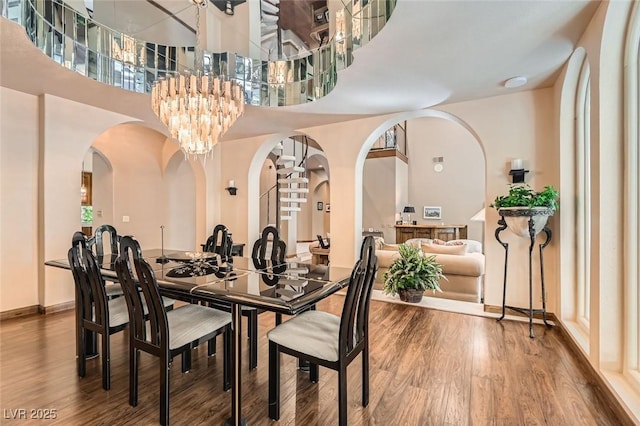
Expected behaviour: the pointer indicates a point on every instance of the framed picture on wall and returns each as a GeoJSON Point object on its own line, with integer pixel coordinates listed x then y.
{"type": "Point", "coordinates": [319, 206]}
{"type": "Point", "coordinates": [432, 212]}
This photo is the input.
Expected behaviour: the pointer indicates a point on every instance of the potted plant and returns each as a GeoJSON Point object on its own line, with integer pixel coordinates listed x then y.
{"type": "Point", "coordinates": [411, 274]}
{"type": "Point", "coordinates": [522, 203]}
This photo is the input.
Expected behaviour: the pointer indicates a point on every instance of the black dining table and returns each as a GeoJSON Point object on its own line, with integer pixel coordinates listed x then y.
{"type": "Point", "coordinates": [286, 288]}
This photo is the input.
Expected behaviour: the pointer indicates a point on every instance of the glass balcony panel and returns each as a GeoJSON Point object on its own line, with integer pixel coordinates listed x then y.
{"type": "Point", "coordinates": [150, 55]}
{"type": "Point", "coordinates": [81, 30]}
{"type": "Point", "coordinates": [69, 22]}
{"type": "Point", "coordinates": [104, 41]}
{"type": "Point", "coordinates": [141, 53]}
{"type": "Point", "coordinates": [150, 77]}
{"type": "Point", "coordinates": [93, 32]}
{"type": "Point", "coordinates": [68, 52]}
{"type": "Point", "coordinates": [140, 83]}
{"type": "Point", "coordinates": [105, 71]}
{"type": "Point", "coordinates": [128, 77]}
{"type": "Point", "coordinates": [92, 64]}
{"type": "Point", "coordinates": [13, 10]}
{"type": "Point", "coordinates": [58, 47]}
{"type": "Point", "coordinates": [80, 58]}
{"type": "Point", "coordinates": [117, 74]}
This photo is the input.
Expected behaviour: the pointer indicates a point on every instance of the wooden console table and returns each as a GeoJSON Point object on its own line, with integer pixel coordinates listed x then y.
{"type": "Point", "coordinates": [441, 232]}
{"type": "Point", "coordinates": [319, 256]}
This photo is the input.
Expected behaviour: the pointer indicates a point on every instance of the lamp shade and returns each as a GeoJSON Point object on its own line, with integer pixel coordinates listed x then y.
{"type": "Point", "coordinates": [478, 217]}
{"type": "Point", "coordinates": [409, 209]}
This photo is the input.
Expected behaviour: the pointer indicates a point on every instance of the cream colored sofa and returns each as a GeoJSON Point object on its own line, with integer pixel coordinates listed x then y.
{"type": "Point", "coordinates": [464, 272]}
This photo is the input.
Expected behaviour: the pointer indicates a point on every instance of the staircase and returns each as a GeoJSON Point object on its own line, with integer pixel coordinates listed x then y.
{"type": "Point", "coordinates": [292, 185]}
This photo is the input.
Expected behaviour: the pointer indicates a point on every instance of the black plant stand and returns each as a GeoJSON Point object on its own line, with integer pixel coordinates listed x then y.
{"type": "Point", "coordinates": [532, 236]}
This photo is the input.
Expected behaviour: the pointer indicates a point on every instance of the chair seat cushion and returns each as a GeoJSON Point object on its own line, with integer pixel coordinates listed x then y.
{"type": "Point", "coordinates": [191, 322]}
{"type": "Point", "coordinates": [118, 313]}
{"type": "Point", "coordinates": [113, 290]}
{"type": "Point", "coordinates": [314, 333]}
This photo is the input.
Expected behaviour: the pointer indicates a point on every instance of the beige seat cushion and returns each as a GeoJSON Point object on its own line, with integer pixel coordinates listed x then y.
{"type": "Point", "coordinates": [471, 264]}
{"type": "Point", "coordinates": [191, 322]}
{"type": "Point", "coordinates": [459, 250]}
{"type": "Point", "coordinates": [313, 332]}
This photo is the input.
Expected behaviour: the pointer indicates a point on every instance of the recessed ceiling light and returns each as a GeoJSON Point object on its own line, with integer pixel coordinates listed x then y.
{"type": "Point", "coordinates": [515, 82]}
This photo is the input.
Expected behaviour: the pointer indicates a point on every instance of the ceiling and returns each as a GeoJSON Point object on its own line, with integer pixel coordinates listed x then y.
{"type": "Point", "coordinates": [429, 53]}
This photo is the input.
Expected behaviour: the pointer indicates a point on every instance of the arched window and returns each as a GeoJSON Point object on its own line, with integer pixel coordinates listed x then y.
{"type": "Point", "coordinates": [632, 195]}
{"type": "Point", "coordinates": [583, 197]}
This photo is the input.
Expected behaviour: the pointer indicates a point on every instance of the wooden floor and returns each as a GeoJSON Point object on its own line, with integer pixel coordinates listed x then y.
{"type": "Point", "coordinates": [427, 368]}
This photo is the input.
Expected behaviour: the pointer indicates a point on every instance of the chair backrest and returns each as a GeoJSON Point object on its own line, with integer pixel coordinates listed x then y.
{"type": "Point", "coordinates": [96, 242]}
{"type": "Point", "coordinates": [269, 238]}
{"type": "Point", "coordinates": [220, 242]}
{"type": "Point", "coordinates": [130, 260]}
{"type": "Point", "coordinates": [322, 242]}
{"type": "Point", "coordinates": [354, 321]}
{"type": "Point", "coordinates": [89, 282]}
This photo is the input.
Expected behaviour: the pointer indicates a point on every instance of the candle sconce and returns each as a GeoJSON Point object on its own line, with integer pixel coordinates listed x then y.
{"type": "Point", "coordinates": [517, 171]}
{"type": "Point", "coordinates": [232, 188]}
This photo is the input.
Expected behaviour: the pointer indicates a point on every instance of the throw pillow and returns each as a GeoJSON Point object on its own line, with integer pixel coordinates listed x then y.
{"type": "Point", "coordinates": [473, 246]}
{"type": "Point", "coordinates": [392, 247]}
{"type": "Point", "coordinates": [459, 250]}
{"type": "Point", "coordinates": [439, 242]}
{"type": "Point", "coordinates": [378, 242]}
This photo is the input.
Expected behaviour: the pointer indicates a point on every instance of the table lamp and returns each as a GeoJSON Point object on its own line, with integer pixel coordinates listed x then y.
{"type": "Point", "coordinates": [409, 210]}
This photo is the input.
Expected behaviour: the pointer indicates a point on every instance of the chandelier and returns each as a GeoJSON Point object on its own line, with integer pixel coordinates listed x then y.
{"type": "Point", "coordinates": [196, 107]}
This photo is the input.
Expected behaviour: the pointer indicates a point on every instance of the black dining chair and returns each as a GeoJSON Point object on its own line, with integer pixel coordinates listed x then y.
{"type": "Point", "coordinates": [167, 334]}
{"type": "Point", "coordinates": [325, 339]}
{"type": "Point", "coordinates": [269, 247]}
{"type": "Point", "coordinates": [95, 312]}
{"type": "Point", "coordinates": [97, 244]}
{"type": "Point", "coordinates": [97, 241]}
{"type": "Point", "coordinates": [220, 242]}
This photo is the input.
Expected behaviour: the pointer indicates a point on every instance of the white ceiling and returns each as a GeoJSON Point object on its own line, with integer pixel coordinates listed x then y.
{"type": "Point", "coordinates": [429, 53]}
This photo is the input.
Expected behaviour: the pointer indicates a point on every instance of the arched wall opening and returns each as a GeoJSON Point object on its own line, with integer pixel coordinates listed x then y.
{"type": "Point", "coordinates": [150, 185]}
{"type": "Point", "coordinates": [444, 169]}
{"type": "Point", "coordinates": [258, 192]}
{"type": "Point", "coordinates": [378, 132]}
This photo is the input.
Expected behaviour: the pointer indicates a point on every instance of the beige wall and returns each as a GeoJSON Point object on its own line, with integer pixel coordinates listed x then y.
{"type": "Point", "coordinates": [18, 200]}
{"type": "Point", "coordinates": [520, 125]}
{"type": "Point", "coordinates": [381, 180]}
{"type": "Point", "coordinates": [459, 187]}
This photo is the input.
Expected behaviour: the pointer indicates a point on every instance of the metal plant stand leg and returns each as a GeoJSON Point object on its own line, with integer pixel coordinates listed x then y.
{"type": "Point", "coordinates": [502, 225]}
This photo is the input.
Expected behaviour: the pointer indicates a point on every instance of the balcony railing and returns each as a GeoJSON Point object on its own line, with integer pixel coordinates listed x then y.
{"type": "Point", "coordinates": [89, 48]}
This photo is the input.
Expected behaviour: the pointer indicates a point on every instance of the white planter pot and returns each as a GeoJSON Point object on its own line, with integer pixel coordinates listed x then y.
{"type": "Point", "coordinates": [517, 219]}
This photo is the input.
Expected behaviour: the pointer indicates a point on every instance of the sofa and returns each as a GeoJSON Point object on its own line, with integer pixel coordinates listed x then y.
{"type": "Point", "coordinates": [462, 264]}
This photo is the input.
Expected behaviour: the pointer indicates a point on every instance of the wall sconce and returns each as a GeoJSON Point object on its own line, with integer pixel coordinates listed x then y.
{"type": "Point", "coordinates": [232, 187]}
{"type": "Point", "coordinates": [228, 8]}
{"type": "Point", "coordinates": [517, 171]}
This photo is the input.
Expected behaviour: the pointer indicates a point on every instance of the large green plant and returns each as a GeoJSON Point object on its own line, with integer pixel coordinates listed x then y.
{"type": "Point", "coordinates": [522, 195]}
{"type": "Point", "coordinates": [412, 270]}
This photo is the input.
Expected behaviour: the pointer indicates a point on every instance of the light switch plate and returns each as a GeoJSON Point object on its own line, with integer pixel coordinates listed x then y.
{"type": "Point", "coordinates": [125, 218]}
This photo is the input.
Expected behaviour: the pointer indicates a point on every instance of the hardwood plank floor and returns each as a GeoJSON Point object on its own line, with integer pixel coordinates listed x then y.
{"type": "Point", "coordinates": [428, 367]}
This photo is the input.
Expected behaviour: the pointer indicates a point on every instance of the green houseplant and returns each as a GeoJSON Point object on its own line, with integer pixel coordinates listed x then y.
{"type": "Point", "coordinates": [523, 203]}
{"type": "Point", "coordinates": [523, 196]}
{"type": "Point", "coordinates": [411, 274]}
